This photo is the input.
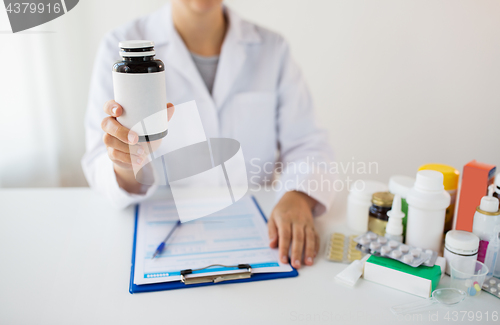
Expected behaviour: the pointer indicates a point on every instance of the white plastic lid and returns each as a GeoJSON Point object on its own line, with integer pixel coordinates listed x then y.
{"type": "Point", "coordinates": [364, 189]}
{"type": "Point", "coordinates": [400, 184]}
{"type": "Point", "coordinates": [489, 204]}
{"type": "Point", "coordinates": [135, 44]}
{"type": "Point", "coordinates": [461, 242]}
{"type": "Point", "coordinates": [428, 192]}
{"type": "Point", "coordinates": [429, 180]}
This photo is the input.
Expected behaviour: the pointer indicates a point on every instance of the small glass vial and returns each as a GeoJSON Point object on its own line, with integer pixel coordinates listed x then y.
{"type": "Point", "coordinates": [140, 88]}
{"type": "Point", "coordinates": [381, 204]}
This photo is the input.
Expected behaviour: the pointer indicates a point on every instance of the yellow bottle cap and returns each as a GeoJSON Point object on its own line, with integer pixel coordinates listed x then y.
{"type": "Point", "coordinates": [450, 174]}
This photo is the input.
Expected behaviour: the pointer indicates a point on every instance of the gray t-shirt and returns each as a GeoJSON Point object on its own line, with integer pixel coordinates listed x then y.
{"type": "Point", "coordinates": [207, 66]}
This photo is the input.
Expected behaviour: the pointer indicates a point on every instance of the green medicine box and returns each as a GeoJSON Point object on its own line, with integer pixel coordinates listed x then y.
{"type": "Point", "coordinates": [420, 281]}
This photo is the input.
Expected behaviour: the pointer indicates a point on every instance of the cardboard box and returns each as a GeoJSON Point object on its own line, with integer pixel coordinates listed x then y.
{"type": "Point", "coordinates": [476, 178]}
{"type": "Point", "coordinates": [420, 281]}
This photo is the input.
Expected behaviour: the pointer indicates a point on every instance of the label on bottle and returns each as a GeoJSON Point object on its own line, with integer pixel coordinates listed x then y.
{"type": "Point", "coordinates": [450, 256]}
{"type": "Point", "coordinates": [144, 100]}
{"type": "Point", "coordinates": [377, 226]}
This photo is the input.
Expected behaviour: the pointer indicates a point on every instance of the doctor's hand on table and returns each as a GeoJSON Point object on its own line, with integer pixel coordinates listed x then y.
{"type": "Point", "coordinates": [292, 224]}
{"type": "Point", "coordinates": [123, 147]}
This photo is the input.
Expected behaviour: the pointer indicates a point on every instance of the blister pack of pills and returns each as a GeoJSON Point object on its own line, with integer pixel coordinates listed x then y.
{"type": "Point", "coordinates": [492, 286]}
{"type": "Point", "coordinates": [341, 248]}
{"type": "Point", "coordinates": [374, 244]}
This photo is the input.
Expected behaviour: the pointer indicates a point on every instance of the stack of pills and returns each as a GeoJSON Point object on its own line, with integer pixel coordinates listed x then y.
{"type": "Point", "coordinates": [342, 249]}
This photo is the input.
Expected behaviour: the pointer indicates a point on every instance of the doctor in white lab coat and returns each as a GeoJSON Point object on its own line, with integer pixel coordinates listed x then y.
{"type": "Point", "coordinates": [246, 87]}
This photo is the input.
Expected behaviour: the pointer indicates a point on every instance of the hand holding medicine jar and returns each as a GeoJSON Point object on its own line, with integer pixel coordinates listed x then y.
{"type": "Point", "coordinates": [215, 31]}
{"type": "Point", "coordinates": [139, 85]}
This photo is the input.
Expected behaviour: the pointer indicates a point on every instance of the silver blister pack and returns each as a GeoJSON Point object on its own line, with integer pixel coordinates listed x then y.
{"type": "Point", "coordinates": [373, 244]}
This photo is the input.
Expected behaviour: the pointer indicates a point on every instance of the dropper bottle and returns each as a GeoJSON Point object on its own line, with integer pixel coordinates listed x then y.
{"type": "Point", "coordinates": [394, 228]}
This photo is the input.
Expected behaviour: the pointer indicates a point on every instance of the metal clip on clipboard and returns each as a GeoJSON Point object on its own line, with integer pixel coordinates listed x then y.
{"type": "Point", "coordinates": [216, 277]}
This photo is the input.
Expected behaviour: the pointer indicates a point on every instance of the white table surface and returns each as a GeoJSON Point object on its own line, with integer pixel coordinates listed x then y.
{"type": "Point", "coordinates": [65, 259]}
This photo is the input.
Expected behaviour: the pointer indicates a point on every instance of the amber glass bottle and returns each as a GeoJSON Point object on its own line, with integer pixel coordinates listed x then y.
{"type": "Point", "coordinates": [381, 204]}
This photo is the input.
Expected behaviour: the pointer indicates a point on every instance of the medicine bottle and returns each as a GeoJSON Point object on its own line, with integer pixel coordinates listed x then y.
{"type": "Point", "coordinates": [359, 202]}
{"type": "Point", "coordinates": [486, 218]}
{"type": "Point", "coordinates": [381, 204]}
{"type": "Point", "coordinates": [140, 88]}
{"type": "Point", "coordinates": [450, 182]}
{"type": "Point", "coordinates": [394, 228]}
{"type": "Point", "coordinates": [460, 244]}
{"type": "Point", "coordinates": [427, 203]}
{"type": "Point", "coordinates": [401, 185]}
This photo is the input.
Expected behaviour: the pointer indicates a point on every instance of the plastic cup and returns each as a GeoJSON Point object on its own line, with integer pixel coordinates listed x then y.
{"type": "Point", "coordinates": [468, 276]}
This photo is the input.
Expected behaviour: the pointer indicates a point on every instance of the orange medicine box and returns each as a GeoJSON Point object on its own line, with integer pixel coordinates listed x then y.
{"type": "Point", "coordinates": [476, 178]}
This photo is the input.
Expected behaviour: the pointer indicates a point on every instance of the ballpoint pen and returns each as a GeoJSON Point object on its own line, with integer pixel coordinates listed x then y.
{"type": "Point", "coordinates": [162, 245]}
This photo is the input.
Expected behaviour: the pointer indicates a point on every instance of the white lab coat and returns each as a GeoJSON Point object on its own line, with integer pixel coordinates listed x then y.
{"type": "Point", "coordinates": [259, 98]}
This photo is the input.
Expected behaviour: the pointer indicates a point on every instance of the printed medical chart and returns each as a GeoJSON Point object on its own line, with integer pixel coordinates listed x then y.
{"type": "Point", "coordinates": [235, 235]}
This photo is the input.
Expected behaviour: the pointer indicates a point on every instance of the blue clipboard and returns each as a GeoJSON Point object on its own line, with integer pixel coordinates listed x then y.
{"type": "Point", "coordinates": [134, 288]}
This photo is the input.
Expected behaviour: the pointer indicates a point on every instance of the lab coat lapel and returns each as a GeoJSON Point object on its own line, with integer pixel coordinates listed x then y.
{"type": "Point", "coordinates": [232, 58]}
{"type": "Point", "coordinates": [233, 55]}
{"type": "Point", "coordinates": [160, 28]}
{"type": "Point", "coordinates": [179, 58]}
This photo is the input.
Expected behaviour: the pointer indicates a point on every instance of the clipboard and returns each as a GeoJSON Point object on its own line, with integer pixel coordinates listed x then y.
{"type": "Point", "coordinates": [244, 275]}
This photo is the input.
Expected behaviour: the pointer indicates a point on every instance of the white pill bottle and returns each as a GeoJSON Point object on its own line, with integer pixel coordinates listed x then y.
{"type": "Point", "coordinates": [359, 202]}
{"type": "Point", "coordinates": [460, 244]}
{"type": "Point", "coordinates": [427, 203]}
{"type": "Point", "coordinates": [140, 88]}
